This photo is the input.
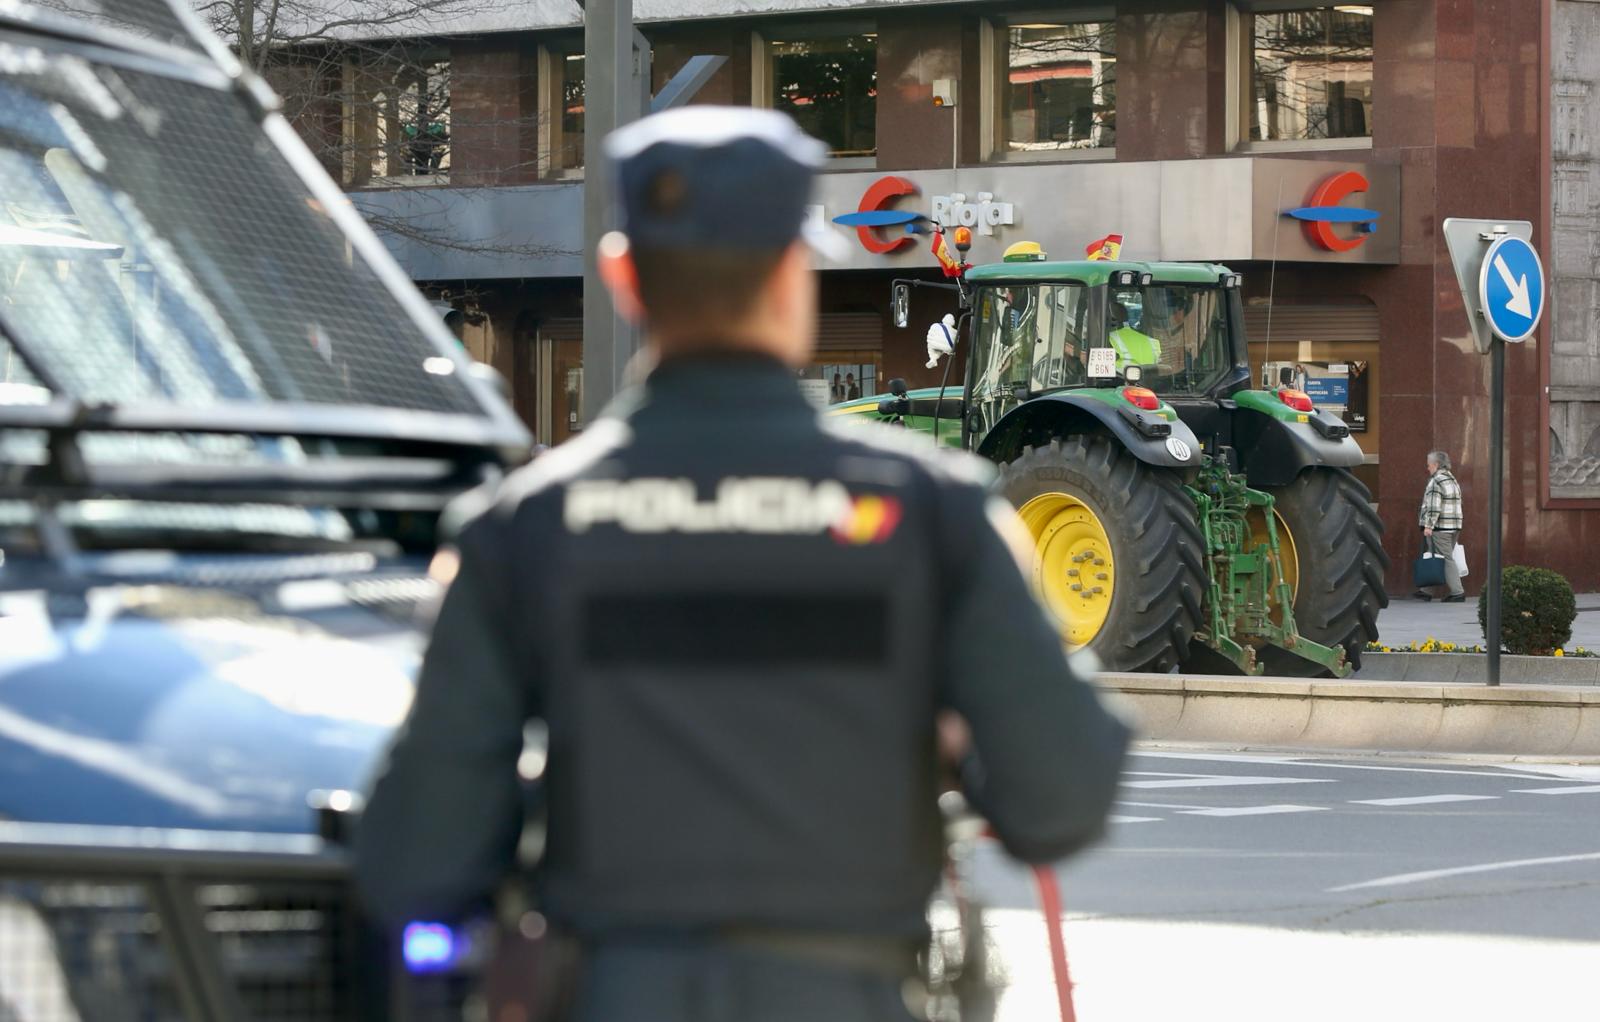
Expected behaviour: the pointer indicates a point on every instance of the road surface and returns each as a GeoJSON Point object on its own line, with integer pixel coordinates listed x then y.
{"type": "Point", "coordinates": [1242, 887]}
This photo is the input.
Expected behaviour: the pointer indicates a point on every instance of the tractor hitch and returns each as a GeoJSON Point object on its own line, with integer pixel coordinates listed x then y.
{"type": "Point", "coordinates": [1250, 604]}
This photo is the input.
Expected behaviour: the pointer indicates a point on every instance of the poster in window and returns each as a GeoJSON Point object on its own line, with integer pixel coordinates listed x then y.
{"type": "Point", "coordinates": [1336, 387]}
{"type": "Point", "coordinates": [1355, 413]}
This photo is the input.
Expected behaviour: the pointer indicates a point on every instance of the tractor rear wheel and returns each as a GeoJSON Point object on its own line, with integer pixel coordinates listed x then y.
{"type": "Point", "coordinates": [1336, 542]}
{"type": "Point", "coordinates": [1117, 551]}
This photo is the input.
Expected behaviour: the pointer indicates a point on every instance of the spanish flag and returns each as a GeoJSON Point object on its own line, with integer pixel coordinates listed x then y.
{"type": "Point", "coordinates": [946, 255]}
{"type": "Point", "coordinates": [1108, 247]}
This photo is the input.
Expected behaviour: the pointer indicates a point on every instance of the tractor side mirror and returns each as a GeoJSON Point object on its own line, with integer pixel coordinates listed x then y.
{"type": "Point", "coordinates": [897, 387]}
{"type": "Point", "coordinates": [900, 305]}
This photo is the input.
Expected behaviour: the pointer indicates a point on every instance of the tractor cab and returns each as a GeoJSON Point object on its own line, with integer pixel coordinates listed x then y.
{"type": "Point", "coordinates": [1042, 327]}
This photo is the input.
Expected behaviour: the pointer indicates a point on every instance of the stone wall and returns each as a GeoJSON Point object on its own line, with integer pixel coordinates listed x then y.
{"type": "Point", "coordinates": [1575, 258]}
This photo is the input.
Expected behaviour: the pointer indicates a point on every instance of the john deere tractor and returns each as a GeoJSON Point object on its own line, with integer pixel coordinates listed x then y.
{"type": "Point", "coordinates": [1181, 518]}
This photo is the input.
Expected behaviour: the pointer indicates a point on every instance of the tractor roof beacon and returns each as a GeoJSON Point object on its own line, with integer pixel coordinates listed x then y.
{"type": "Point", "coordinates": [1181, 519]}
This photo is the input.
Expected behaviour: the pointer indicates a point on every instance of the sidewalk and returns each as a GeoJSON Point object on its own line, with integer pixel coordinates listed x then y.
{"type": "Point", "coordinates": [1406, 620]}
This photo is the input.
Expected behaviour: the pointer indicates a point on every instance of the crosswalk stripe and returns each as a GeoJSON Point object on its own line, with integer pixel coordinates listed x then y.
{"type": "Point", "coordinates": [1419, 800]}
{"type": "Point", "coordinates": [1254, 810]}
{"type": "Point", "coordinates": [1566, 789]}
{"type": "Point", "coordinates": [1222, 781]}
{"type": "Point", "coordinates": [1114, 818]}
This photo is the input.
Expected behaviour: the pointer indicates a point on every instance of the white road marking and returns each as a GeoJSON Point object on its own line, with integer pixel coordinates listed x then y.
{"type": "Point", "coordinates": [1221, 781]}
{"type": "Point", "coordinates": [1155, 805]}
{"type": "Point", "coordinates": [1420, 800]}
{"type": "Point", "coordinates": [1567, 789]}
{"type": "Point", "coordinates": [1487, 867]}
{"type": "Point", "coordinates": [1568, 771]}
{"type": "Point", "coordinates": [1319, 764]}
{"type": "Point", "coordinates": [1114, 818]}
{"type": "Point", "coordinates": [1254, 810]}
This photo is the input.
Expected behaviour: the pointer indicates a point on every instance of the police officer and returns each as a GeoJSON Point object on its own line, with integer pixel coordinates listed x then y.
{"type": "Point", "coordinates": [740, 627]}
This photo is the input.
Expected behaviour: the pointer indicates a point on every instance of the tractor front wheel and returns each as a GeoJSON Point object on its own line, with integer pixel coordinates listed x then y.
{"type": "Point", "coordinates": [1336, 541]}
{"type": "Point", "coordinates": [1117, 552]}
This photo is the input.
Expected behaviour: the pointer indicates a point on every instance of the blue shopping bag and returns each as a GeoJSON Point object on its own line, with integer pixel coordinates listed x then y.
{"type": "Point", "coordinates": [1428, 570]}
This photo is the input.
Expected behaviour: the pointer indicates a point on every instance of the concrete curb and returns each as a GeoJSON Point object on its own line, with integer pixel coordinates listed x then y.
{"type": "Point", "coordinates": [1525, 720]}
{"type": "Point", "coordinates": [1471, 668]}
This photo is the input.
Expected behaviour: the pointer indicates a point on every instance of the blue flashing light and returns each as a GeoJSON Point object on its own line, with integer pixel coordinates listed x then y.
{"type": "Point", "coordinates": [429, 947]}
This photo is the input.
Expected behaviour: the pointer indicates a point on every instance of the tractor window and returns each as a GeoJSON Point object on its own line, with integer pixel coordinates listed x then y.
{"type": "Point", "coordinates": [1029, 336]}
{"type": "Point", "coordinates": [1183, 329]}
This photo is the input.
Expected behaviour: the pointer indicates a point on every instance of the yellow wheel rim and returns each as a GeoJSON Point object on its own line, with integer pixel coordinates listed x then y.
{"type": "Point", "coordinates": [1289, 557]}
{"type": "Point", "coordinates": [1073, 569]}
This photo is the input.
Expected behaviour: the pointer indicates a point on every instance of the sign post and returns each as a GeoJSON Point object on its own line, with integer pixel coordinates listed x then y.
{"type": "Point", "coordinates": [1503, 287]}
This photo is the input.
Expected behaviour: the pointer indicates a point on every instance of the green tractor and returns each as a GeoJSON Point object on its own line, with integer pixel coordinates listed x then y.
{"type": "Point", "coordinates": [1180, 518]}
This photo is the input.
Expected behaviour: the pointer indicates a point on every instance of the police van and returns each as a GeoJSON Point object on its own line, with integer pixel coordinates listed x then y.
{"type": "Point", "coordinates": [228, 427]}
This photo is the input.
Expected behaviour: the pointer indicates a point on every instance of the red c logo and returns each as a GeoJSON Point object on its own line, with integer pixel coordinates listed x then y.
{"type": "Point", "coordinates": [1327, 197]}
{"type": "Point", "coordinates": [879, 197]}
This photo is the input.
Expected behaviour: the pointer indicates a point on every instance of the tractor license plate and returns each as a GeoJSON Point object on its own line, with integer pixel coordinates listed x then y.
{"type": "Point", "coordinates": [1102, 363]}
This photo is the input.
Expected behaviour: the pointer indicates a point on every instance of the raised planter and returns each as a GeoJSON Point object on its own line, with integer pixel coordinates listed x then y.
{"type": "Point", "coordinates": [1560, 721]}
{"type": "Point", "coordinates": [1472, 668]}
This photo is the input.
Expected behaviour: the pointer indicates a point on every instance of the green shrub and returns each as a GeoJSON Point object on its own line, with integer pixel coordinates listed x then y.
{"type": "Point", "coordinates": [1536, 610]}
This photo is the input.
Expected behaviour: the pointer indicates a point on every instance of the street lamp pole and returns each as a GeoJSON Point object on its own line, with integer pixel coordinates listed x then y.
{"type": "Point", "coordinates": [616, 90]}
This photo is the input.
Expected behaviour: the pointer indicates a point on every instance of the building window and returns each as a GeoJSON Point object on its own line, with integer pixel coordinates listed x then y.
{"type": "Point", "coordinates": [1059, 86]}
{"type": "Point", "coordinates": [1310, 74]}
{"type": "Point", "coordinates": [568, 154]}
{"type": "Point", "coordinates": [561, 110]}
{"type": "Point", "coordinates": [397, 120]}
{"type": "Point", "coordinates": [829, 85]}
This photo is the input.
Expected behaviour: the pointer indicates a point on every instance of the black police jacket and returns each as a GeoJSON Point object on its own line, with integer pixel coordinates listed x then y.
{"type": "Point", "coordinates": [738, 621]}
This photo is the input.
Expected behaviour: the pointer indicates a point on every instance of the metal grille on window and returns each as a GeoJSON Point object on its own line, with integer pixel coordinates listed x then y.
{"type": "Point", "coordinates": [154, 19]}
{"type": "Point", "coordinates": [136, 273]}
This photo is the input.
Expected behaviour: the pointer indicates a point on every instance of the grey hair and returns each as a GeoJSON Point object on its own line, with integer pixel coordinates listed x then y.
{"type": "Point", "coordinates": [1439, 458]}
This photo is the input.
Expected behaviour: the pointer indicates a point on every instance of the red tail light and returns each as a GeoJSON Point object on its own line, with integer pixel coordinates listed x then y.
{"type": "Point", "coordinates": [1142, 397]}
{"type": "Point", "coordinates": [1299, 400]}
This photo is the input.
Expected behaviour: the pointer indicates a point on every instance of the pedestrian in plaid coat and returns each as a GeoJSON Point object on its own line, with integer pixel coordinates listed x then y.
{"type": "Point", "coordinates": [1440, 520]}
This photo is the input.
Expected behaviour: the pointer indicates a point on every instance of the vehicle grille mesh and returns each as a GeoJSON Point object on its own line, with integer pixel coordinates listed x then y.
{"type": "Point", "coordinates": [154, 19]}
{"type": "Point", "coordinates": [164, 251]}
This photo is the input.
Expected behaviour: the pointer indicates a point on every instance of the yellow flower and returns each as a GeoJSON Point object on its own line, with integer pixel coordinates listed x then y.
{"type": "Point", "coordinates": [1558, 652]}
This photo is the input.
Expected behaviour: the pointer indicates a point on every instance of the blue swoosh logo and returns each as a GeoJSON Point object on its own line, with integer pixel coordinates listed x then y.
{"type": "Point", "coordinates": [877, 218]}
{"type": "Point", "coordinates": [1335, 214]}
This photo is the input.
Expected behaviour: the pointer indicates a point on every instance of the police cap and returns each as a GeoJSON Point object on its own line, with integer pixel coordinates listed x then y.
{"type": "Point", "coordinates": [718, 177]}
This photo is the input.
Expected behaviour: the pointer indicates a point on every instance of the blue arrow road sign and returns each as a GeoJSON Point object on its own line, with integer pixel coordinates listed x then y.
{"type": "Point", "coordinates": [1511, 285]}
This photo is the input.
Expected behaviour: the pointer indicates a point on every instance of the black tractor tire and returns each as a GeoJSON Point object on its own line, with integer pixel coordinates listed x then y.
{"type": "Point", "coordinates": [1338, 541]}
{"type": "Point", "coordinates": [1156, 545]}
